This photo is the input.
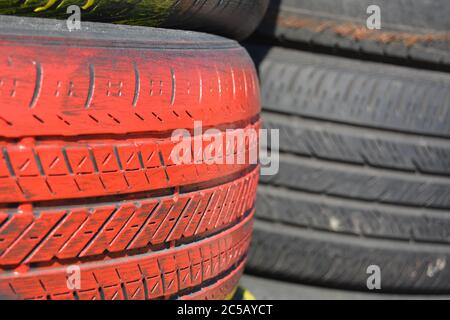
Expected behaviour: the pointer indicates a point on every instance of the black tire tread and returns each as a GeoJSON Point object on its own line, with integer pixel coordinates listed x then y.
{"type": "Point", "coordinates": [340, 261]}
{"type": "Point", "coordinates": [411, 30]}
{"type": "Point", "coordinates": [364, 173]}
{"type": "Point", "coordinates": [233, 18]}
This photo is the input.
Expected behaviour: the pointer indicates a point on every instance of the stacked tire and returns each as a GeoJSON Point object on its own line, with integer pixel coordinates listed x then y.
{"type": "Point", "coordinates": [236, 19]}
{"type": "Point", "coordinates": [92, 203]}
{"type": "Point", "coordinates": [364, 120]}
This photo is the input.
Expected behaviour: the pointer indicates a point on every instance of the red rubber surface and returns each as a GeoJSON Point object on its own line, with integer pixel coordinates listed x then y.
{"type": "Point", "coordinates": [57, 169]}
{"type": "Point", "coordinates": [86, 174]}
{"type": "Point", "coordinates": [120, 90]}
{"type": "Point", "coordinates": [146, 276]}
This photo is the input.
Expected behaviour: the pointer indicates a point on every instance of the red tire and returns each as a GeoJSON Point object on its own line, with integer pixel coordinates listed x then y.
{"type": "Point", "coordinates": [235, 19]}
{"type": "Point", "coordinates": [86, 173]}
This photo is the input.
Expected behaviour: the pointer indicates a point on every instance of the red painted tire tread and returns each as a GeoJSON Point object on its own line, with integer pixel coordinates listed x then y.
{"type": "Point", "coordinates": [156, 275]}
{"type": "Point", "coordinates": [121, 90]}
{"type": "Point", "coordinates": [87, 176]}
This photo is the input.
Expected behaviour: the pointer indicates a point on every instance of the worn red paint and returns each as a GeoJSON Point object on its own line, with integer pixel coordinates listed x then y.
{"type": "Point", "coordinates": [85, 144]}
{"type": "Point", "coordinates": [358, 31]}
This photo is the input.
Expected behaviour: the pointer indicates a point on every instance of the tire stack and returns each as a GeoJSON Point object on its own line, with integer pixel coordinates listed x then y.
{"type": "Point", "coordinates": [364, 119]}
{"type": "Point", "coordinates": [92, 204]}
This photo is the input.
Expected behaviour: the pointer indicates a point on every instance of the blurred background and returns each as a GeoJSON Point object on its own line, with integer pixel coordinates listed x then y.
{"type": "Point", "coordinates": [360, 92]}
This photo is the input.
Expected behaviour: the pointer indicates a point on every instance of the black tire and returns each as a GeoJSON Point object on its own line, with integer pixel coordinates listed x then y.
{"type": "Point", "coordinates": [87, 173]}
{"type": "Point", "coordinates": [233, 18]}
{"type": "Point", "coordinates": [410, 29]}
{"type": "Point", "coordinates": [269, 289]}
{"type": "Point", "coordinates": [364, 173]}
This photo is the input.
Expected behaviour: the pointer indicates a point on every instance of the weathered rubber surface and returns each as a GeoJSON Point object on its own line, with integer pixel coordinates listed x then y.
{"type": "Point", "coordinates": [115, 73]}
{"type": "Point", "coordinates": [54, 169]}
{"type": "Point", "coordinates": [413, 30]}
{"type": "Point", "coordinates": [221, 289]}
{"type": "Point", "coordinates": [86, 173]}
{"type": "Point", "coordinates": [315, 257]}
{"type": "Point", "coordinates": [42, 234]}
{"type": "Point", "coordinates": [233, 18]}
{"type": "Point", "coordinates": [203, 269]}
{"type": "Point", "coordinates": [70, 124]}
{"type": "Point", "coordinates": [406, 152]}
{"type": "Point", "coordinates": [364, 173]}
{"type": "Point", "coordinates": [354, 217]}
{"type": "Point", "coordinates": [269, 289]}
{"type": "Point", "coordinates": [363, 94]}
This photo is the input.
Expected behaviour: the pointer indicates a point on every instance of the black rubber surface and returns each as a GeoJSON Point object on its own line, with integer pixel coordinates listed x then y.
{"type": "Point", "coordinates": [414, 30]}
{"type": "Point", "coordinates": [358, 93]}
{"type": "Point", "coordinates": [269, 289]}
{"type": "Point", "coordinates": [364, 173]}
{"type": "Point", "coordinates": [233, 18]}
